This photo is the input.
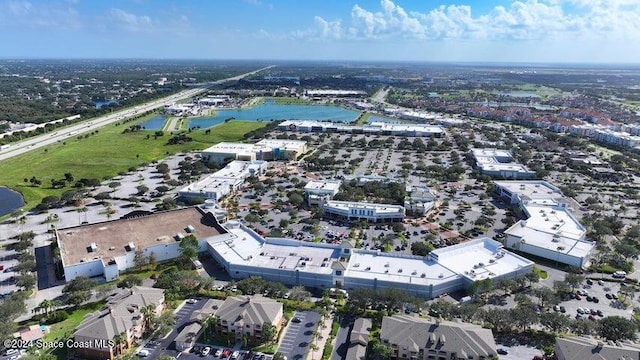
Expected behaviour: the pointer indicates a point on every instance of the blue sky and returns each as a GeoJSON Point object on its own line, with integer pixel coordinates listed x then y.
{"type": "Point", "coordinates": [591, 31]}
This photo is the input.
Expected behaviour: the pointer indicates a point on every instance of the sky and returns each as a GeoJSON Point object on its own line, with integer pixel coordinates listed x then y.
{"type": "Point", "coordinates": [528, 31]}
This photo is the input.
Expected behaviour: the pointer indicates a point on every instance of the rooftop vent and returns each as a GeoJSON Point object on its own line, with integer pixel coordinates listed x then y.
{"type": "Point", "coordinates": [367, 268]}
{"type": "Point", "coordinates": [93, 247]}
{"type": "Point", "coordinates": [423, 275]}
{"type": "Point", "coordinates": [131, 246]}
{"type": "Point", "coordinates": [356, 265]}
{"type": "Point", "coordinates": [190, 229]}
{"type": "Point", "coordinates": [112, 248]}
{"type": "Point", "coordinates": [400, 270]}
{"type": "Point", "coordinates": [179, 236]}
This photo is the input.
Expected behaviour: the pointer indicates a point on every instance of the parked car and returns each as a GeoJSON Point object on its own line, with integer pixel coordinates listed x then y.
{"type": "Point", "coordinates": [296, 320]}
{"type": "Point", "coordinates": [600, 282]}
{"type": "Point", "coordinates": [206, 351]}
{"type": "Point", "coordinates": [563, 309]}
{"type": "Point", "coordinates": [225, 353]}
{"type": "Point", "coordinates": [578, 297]}
{"type": "Point", "coordinates": [556, 308]}
{"type": "Point", "coordinates": [589, 282]}
{"type": "Point", "coordinates": [192, 301]}
{"type": "Point", "coordinates": [600, 313]}
{"type": "Point", "coordinates": [619, 274]}
{"type": "Point", "coordinates": [608, 296]}
{"type": "Point", "coordinates": [143, 353]}
{"type": "Point", "coordinates": [235, 355]}
{"type": "Point", "coordinates": [502, 351]}
{"type": "Point", "coordinates": [218, 353]}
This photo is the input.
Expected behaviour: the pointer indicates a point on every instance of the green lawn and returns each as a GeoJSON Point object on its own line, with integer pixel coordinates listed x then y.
{"type": "Point", "coordinates": [104, 155]}
{"type": "Point", "coordinates": [64, 329]}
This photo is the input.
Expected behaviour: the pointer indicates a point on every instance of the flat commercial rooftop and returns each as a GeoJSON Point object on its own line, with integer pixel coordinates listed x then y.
{"type": "Point", "coordinates": [379, 208]}
{"type": "Point", "coordinates": [327, 185]}
{"type": "Point", "coordinates": [401, 269]}
{"type": "Point", "coordinates": [504, 167]}
{"type": "Point", "coordinates": [112, 237]}
{"type": "Point", "coordinates": [480, 259]}
{"type": "Point", "coordinates": [491, 153]}
{"type": "Point", "coordinates": [531, 189]}
{"type": "Point", "coordinates": [230, 147]}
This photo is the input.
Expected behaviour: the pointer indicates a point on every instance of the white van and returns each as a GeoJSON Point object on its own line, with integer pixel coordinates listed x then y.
{"type": "Point", "coordinates": [620, 274]}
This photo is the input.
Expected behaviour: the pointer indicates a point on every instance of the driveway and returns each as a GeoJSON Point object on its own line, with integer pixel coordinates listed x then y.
{"type": "Point", "coordinates": [341, 345]}
{"type": "Point", "coordinates": [298, 335]}
{"type": "Point", "coordinates": [164, 346]}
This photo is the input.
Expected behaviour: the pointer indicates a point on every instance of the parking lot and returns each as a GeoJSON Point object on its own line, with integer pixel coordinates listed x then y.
{"type": "Point", "coordinates": [609, 307]}
{"type": "Point", "coordinates": [299, 334]}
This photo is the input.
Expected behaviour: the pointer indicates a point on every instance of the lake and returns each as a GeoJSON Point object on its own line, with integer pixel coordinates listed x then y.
{"type": "Point", "coordinates": [271, 111]}
{"type": "Point", "coordinates": [155, 123]}
{"type": "Point", "coordinates": [101, 103]}
{"type": "Point", "coordinates": [9, 201]}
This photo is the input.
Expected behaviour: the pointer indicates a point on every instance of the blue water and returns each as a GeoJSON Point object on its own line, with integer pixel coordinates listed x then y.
{"type": "Point", "coordinates": [9, 201]}
{"type": "Point", "coordinates": [101, 103]}
{"type": "Point", "coordinates": [155, 123]}
{"type": "Point", "coordinates": [378, 118]}
{"type": "Point", "coordinates": [271, 111]}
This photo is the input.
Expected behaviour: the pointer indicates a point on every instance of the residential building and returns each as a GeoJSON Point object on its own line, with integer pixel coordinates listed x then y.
{"type": "Point", "coordinates": [412, 337]}
{"type": "Point", "coordinates": [581, 348]}
{"type": "Point", "coordinates": [224, 181]}
{"type": "Point", "coordinates": [119, 324]}
{"type": "Point", "coordinates": [109, 247]}
{"type": "Point", "coordinates": [359, 339]}
{"type": "Point", "coordinates": [499, 163]}
{"type": "Point", "coordinates": [190, 333]}
{"type": "Point", "coordinates": [266, 149]}
{"type": "Point", "coordinates": [364, 211]}
{"type": "Point", "coordinates": [549, 229]}
{"type": "Point", "coordinates": [316, 192]}
{"type": "Point", "coordinates": [246, 315]}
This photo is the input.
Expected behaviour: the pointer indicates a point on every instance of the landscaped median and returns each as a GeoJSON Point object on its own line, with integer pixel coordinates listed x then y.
{"type": "Point", "coordinates": [103, 154]}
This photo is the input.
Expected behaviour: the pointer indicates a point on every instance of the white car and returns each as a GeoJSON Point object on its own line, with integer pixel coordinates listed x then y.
{"type": "Point", "coordinates": [218, 353]}
{"type": "Point", "coordinates": [143, 353]}
{"type": "Point", "coordinates": [580, 310]}
{"type": "Point", "coordinates": [206, 351]}
{"type": "Point", "coordinates": [192, 301]}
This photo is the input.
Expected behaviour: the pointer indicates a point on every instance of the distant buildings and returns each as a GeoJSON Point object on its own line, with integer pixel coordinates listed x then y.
{"type": "Point", "coordinates": [374, 128]}
{"type": "Point", "coordinates": [412, 337]}
{"type": "Point", "coordinates": [267, 149]}
{"type": "Point", "coordinates": [499, 163]}
{"type": "Point", "coordinates": [579, 348]}
{"type": "Point", "coordinates": [317, 192]}
{"type": "Point", "coordinates": [550, 230]}
{"type": "Point", "coordinates": [123, 316]}
{"type": "Point", "coordinates": [334, 93]}
{"type": "Point", "coordinates": [371, 212]}
{"type": "Point", "coordinates": [224, 181]}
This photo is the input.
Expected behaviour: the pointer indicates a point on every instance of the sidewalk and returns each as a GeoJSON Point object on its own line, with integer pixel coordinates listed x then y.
{"type": "Point", "coordinates": [320, 342]}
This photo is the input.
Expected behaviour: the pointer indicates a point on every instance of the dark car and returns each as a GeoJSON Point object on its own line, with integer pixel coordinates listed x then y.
{"type": "Point", "coordinates": [600, 313]}
{"type": "Point", "coordinates": [503, 352]}
{"type": "Point", "coordinates": [572, 295]}
{"type": "Point", "coordinates": [595, 299]}
{"type": "Point", "coordinates": [608, 296]}
{"type": "Point", "coordinates": [296, 320]}
{"type": "Point", "coordinates": [589, 298]}
{"type": "Point", "coordinates": [563, 309]}
{"type": "Point", "coordinates": [589, 282]}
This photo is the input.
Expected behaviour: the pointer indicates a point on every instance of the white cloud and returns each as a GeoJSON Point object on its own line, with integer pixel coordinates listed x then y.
{"type": "Point", "coordinates": [19, 7]}
{"type": "Point", "coordinates": [129, 21]}
{"type": "Point", "coordinates": [521, 20]}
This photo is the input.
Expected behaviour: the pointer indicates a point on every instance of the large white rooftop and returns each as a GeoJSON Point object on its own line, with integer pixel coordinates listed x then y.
{"type": "Point", "coordinates": [491, 153]}
{"type": "Point", "coordinates": [532, 190]}
{"type": "Point", "coordinates": [323, 185]}
{"type": "Point", "coordinates": [230, 147]}
{"type": "Point", "coordinates": [282, 144]}
{"type": "Point", "coordinates": [480, 259]}
{"type": "Point", "coordinates": [405, 269]}
{"type": "Point", "coordinates": [379, 208]}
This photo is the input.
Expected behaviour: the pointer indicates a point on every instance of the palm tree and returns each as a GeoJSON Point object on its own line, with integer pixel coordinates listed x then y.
{"type": "Point", "coordinates": [119, 340]}
{"type": "Point", "coordinates": [149, 313]}
{"type": "Point", "coordinates": [46, 305]}
{"type": "Point", "coordinates": [208, 323]}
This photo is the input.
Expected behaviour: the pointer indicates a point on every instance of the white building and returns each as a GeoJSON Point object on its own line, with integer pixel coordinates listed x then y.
{"type": "Point", "coordinates": [374, 128]}
{"type": "Point", "coordinates": [550, 230]}
{"type": "Point", "coordinates": [105, 249]}
{"type": "Point", "coordinates": [243, 253]}
{"type": "Point", "coordinates": [419, 200]}
{"type": "Point", "coordinates": [363, 210]}
{"type": "Point", "coordinates": [318, 191]}
{"type": "Point", "coordinates": [108, 248]}
{"type": "Point", "coordinates": [267, 149]}
{"type": "Point", "coordinates": [224, 181]}
{"type": "Point", "coordinates": [499, 163]}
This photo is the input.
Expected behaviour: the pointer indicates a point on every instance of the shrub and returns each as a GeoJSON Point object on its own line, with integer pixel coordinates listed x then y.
{"type": "Point", "coordinates": [57, 316]}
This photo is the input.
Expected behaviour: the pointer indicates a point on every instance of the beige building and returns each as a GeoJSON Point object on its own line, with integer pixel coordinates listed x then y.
{"type": "Point", "coordinates": [266, 149]}
{"type": "Point", "coordinates": [119, 324]}
{"type": "Point", "coordinates": [359, 339]}
{"type": "Point", "coordinates": [579, 348]}
{"type": "Point", "coordinates": [246, 315]}
{"type": "Point", "coordinates": [411, 337]}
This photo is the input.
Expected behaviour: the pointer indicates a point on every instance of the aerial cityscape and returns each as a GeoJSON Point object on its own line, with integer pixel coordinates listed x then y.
{"type": "Point", "coordinates": [336, 180]}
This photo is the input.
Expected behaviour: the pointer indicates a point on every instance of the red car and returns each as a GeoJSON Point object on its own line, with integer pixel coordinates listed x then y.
{"type": "Point", "coordinates": [225, 354]}
{"type": "Point", "coordinates": [578, 297]}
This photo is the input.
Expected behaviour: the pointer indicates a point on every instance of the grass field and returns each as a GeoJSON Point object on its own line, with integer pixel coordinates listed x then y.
{"type": "Point", "coordinates": [103, 156]}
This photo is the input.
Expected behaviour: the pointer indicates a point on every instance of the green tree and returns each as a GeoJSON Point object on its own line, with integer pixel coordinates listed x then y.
{"type": "Point", "coordinates": [617, 328]}
{"type": "Point", "coordinates": [189, 248]}
{"type": "Point", "coordinates": [278, 356]}
{"type": "Point", "coordinates": [574, 280]}
{"type": "Point", "coordinates": [555, 322]}
{"type": "Point", "coordinates": [269, 333]}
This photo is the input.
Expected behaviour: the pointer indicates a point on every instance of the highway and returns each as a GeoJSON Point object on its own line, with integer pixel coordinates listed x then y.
{"type": "Point", "coordinates": [61, 134]}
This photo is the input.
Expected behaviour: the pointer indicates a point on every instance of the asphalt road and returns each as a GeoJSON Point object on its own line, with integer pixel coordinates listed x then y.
{"type": "Point", "coordinates": [298, 336]}
{"type": "Point", "coordinates": [58, 135]}
{"type": "Point", "coordinates": [164, 345]}
{"type": "Point", "coordinates": [341, 346]}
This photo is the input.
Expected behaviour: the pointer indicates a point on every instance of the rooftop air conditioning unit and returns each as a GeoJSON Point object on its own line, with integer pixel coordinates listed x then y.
{"type": "Point", "coordinates": [93, 247]}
